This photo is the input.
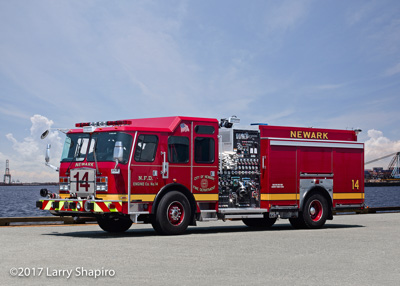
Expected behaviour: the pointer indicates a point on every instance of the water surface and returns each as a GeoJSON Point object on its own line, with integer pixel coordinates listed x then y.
{"type": "Point", "coordinates": [20, 201]}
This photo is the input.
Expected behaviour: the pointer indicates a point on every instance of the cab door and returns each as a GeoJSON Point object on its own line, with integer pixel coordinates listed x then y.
{"type": "Point", "coordinates": [205, 161]}
{"type": "Point", "coordinates": [177, 159]}
{"type": "Point", "coordinates": [146, 167]}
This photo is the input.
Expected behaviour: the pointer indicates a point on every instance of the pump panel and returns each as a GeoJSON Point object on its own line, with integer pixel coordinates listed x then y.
{"type": "Point", "coordinates": [239, 176]}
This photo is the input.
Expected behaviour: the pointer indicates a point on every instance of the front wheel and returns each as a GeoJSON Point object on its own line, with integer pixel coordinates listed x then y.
{"type": "Point", "coordinates": [173, 214]}
{"type": "Point", "coordinates": [114, 224]}
{"type": "Point", "coordinates": [259, 222]}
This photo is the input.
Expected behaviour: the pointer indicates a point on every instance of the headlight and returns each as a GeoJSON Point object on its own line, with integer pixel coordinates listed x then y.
{"type": "Point", "coordinates": [102, 184]}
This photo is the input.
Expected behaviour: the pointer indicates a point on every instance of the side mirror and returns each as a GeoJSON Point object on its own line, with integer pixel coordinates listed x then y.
{"type": "Point", "coordinates": [47, 156]}
{"type": "Point", "coordinates": [118, 156]}
{"type": "Point", "coordinates": [118, 151]}
{"type": "Point", "coordinates": [44, 134]}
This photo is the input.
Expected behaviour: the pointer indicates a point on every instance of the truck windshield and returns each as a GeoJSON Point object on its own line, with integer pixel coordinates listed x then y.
{"type": "Point", "coordinates": [103, 144]}
{"type": "Point", "coordinates": [77, 147]}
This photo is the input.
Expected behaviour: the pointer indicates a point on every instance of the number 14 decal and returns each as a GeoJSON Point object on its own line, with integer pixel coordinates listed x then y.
{"type": "Point", "coordinates": [83, 183]}
{"type": "Point", "coordinates": [355, 184]}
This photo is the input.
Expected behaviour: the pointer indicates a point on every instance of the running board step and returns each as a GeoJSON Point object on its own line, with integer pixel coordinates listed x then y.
{"type": "Point", "coordinates": [241, 216]}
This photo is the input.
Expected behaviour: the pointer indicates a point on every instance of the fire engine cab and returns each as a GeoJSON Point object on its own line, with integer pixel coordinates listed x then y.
{"type": "Point", "coordinates": [174, 171]}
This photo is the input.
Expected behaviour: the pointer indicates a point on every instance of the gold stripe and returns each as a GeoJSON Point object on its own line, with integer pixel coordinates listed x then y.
{"type": "Point", "coordinates": [280, 197]}
{"type": "Point", "coordinates": [150, 198]}
{"type": "Point", "coordinates": [206, 197]}
{"type": "Point", "coordinates": [144, 198]}
{"type": "Point", "coordinates": [348, 196]}
{"type": "Point", "coordinates": [118, 197]}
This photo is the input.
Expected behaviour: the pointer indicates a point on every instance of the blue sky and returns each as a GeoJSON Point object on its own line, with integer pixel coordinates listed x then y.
{"type": "Point", "coordinates": [333, 64]}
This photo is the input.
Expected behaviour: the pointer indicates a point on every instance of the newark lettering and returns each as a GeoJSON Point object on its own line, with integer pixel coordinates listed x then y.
{"type": "Point", "coordinates": [309, 135]}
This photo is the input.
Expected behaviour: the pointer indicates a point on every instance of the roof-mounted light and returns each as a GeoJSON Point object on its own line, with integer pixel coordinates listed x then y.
{"type": "Point", "coordinates": [119, 122]}
{"type": "Point", "coordinates": [83, 124]}
{"type": "Point", "coordinates": [89, 129]}
{"type": "Point", "coordinates": [102, 123]}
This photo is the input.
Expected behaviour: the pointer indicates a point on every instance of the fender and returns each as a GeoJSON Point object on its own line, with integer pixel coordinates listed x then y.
{"type": "Point", "coordinates": [180, 188]}
{"type": "Point", "coordinates": [324, 186]}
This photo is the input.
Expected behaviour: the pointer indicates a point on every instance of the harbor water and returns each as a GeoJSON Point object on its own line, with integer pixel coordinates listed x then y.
{"type": "Point", "coordinates": [20, 201]}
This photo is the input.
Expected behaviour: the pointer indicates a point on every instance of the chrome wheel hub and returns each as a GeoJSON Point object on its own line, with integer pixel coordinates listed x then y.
{"type": "Point", "coordinates": [175, 213]}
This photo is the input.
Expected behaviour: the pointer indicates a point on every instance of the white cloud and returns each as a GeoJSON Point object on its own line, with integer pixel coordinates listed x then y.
{"type": "Point", "coordinates": [13, 111]}
{"type": "Point", "coordinates": [379, 146]}
{"type": "Point", "coordinates": [361, 12]}
{"type": "Point", "coordinates": [286, 15]}
{"type": "Point", "coordinates": [393, 70]}
{"type": "Point", "coordinates": [27, 162]}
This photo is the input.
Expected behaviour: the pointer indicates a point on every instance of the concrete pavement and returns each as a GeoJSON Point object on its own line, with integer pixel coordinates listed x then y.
{"type": "Point", "coordinates": [350, 250]}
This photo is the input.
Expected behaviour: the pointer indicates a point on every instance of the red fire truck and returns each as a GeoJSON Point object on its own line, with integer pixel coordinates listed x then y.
{"type": "Point", "coordinates": [174, 171]}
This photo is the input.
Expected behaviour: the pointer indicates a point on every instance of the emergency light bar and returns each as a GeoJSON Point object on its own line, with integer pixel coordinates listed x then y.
{"type": "Point", "coordinates": [103, 123]}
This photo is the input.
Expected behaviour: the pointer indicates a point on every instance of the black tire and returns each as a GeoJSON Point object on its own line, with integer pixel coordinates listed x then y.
{"type": "Point", "coordinates": [315, 211]}
{"type": "Point", "coordinates": [114, 224]}
{"type": "Point", "coordinates": [259, 222]}
{"type": "Point", "coordinates": [297, 223]}
{"type": "Point", "coordinates": [172, 214]}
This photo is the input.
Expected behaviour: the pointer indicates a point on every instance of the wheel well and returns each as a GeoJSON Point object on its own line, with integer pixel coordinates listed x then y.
{"type": "Point", "coordinates": [179, 188]}
{"type": "Point", "coordinates": [325, 194]}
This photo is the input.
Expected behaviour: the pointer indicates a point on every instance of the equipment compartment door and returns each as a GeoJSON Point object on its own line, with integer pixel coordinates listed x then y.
{"type": "Point", "coordinates": [282, 188]}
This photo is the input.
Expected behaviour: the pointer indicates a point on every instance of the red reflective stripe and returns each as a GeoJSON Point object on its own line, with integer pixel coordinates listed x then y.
{"type": "Point", "coordinates": [103, 207]}
{"type": "Point", "coordinates": [118, 206]}
{"type": "Point", "coordinates": [44, 204]}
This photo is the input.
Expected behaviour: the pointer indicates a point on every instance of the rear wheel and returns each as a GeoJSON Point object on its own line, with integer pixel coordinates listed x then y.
{"type": "Point", "coordinates": [314, 214]}
{"type": "Point", "coordinates": [259, 222]}
{"type": "Point", "coordinates": [114, 224]}
{"type": "Point", "coordinates": [173, 214]}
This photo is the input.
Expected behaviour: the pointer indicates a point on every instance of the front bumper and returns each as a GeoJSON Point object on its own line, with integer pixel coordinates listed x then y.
{"type": "Point", "coordinates": [81, 207]}
{"type": "Point", "coordinates": [74, 206]}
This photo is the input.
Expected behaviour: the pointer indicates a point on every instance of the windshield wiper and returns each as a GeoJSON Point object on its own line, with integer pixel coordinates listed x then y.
{"type": "Point", "coordinates": [77, 151]}
{"type": "Point", "coordinates": [95, 157]}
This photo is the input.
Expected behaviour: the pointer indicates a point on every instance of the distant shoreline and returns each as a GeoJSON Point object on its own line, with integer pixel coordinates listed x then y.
{"type": "Point", "coordinates": [382, 184]}
{"type": "Point", "coordinates": [367, 184]}
{"type": "Point", "coordinates": [30, 184]}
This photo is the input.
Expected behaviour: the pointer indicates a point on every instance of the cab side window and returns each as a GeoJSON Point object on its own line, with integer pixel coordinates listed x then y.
{"type": "Point", "coordinates": [178, 149]}
{"type": "Point", "coordinates": [204, 150]}
{"type": "Point", "coordinates": [146, 148]}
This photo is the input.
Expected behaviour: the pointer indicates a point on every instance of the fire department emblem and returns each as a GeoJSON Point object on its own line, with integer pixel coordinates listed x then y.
{"type": "Point", "coordinates": [204, 183]}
